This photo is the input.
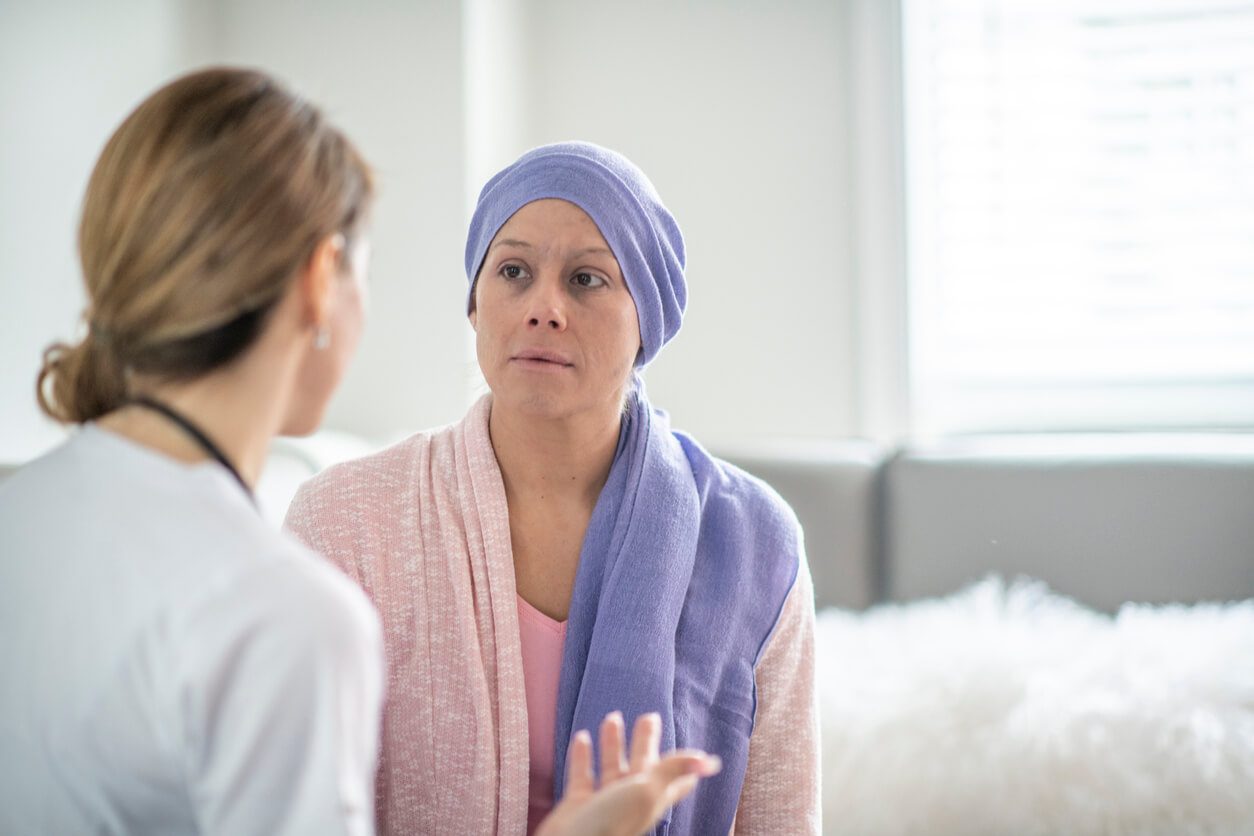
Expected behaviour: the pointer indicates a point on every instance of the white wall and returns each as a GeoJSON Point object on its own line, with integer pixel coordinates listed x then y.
{"type": "Point", "coordinates": [737, 109]}
{"type": "Point", "coordinates": [390, 73]}
{"type": "Point", "coordinates": [68, 71]}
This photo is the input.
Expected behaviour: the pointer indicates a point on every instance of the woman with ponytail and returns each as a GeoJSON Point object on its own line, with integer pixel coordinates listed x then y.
{"type": "Point", "coordinates": [171, 663]}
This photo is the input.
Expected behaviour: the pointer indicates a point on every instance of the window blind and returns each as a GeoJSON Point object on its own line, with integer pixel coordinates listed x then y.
{"type": "Point", "coordinates": [1080, 199]}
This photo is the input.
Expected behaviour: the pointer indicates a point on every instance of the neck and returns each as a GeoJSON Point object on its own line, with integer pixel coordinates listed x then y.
{"type": "Point", "coordinates": [236, 408]}
{"type": "Point", "coordinates": [565, 458]}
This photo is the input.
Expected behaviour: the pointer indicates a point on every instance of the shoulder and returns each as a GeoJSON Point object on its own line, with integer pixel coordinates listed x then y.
{"type": "Point", "coordinates": [362, 489]}
{"type": "Point", "coordinates": [733, 496]}
{"type": "Point", "coordinates": [60, 469]}
{"type": "Point", "coordinates": [361, 478]}
{"type": "Point", "coordinates": [287, 651]}
{"type": "Point", "coordinates": [317, 605]}
{"type": "Point", "coordinates": [307, 582]}
{"type": "Point", "coordinates": [291, 600]}
{"type": "Point", "coordinates": [749, 538]}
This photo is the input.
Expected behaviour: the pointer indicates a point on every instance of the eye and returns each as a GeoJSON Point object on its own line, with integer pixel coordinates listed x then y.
{"type": "Point", "coordinates": [588, 280]}
{"type": "Point", "coordinates": [512, 271]}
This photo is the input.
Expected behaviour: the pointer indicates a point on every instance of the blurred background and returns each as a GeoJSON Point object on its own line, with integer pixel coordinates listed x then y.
{"type": "Point", "coordinates": [908, 222]}
{"type": "Point", "coordinates": [903, 216]}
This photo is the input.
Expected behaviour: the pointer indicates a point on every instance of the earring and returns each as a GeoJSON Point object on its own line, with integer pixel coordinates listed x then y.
{"type": "Point", "coordinates": [322, 338]}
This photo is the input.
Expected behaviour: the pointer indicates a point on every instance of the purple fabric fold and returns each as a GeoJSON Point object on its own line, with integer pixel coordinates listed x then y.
{"type": "Point", "coordinates": [683, 573]}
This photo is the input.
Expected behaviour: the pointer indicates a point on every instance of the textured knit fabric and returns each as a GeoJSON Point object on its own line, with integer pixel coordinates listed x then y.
{"type": "Point", "coordinates": [781, 792]}
{"type": "Point", "coordinates": [424, 528]}
{"type": "Point", "coordinates": [172, 664]}
{"type": "Point", "coordinates": [542, 641]}
{"type": "Point", "coordinates": [622, 202]}
{"type": "Point", "coordinates": [711, 545]}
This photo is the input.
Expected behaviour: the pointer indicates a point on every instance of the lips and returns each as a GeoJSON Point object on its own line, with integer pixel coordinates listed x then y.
{"type": "Point", "coordinates": [543, 356]}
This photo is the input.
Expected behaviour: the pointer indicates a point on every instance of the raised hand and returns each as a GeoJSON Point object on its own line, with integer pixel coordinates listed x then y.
{"type": "Point", "coordinates": [634, 793]}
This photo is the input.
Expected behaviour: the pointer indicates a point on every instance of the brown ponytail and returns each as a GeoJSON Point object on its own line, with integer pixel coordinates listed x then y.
{"type": "Point", "coordinates": [204, 204]}
{"type": "Point", "coordinates": [80, 382]}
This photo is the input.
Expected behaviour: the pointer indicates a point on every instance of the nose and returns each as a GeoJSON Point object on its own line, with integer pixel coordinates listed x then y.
{"type": "Point", "coordinates": [546, 309]}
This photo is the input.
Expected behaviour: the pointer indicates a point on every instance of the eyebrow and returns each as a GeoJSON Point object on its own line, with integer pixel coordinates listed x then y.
{"type": "Point", "coordinates": [514, 242]}
{"type": "Point", "coordinates": [591, 251]}
{"type": "Point", "coordinates": [511, 242]}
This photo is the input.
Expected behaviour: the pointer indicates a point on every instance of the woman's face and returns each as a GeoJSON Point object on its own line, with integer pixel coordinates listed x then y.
{"type": "Point", "coordinates": [556, 329]}
{"type": "Point", "coordinates": [324, 368]}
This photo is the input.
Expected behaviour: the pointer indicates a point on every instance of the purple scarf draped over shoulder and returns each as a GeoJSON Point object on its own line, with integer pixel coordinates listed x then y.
{"type": "Point", "coordinates": [684, 570]}
{"type": "Point", "coordinates": [687, 560]}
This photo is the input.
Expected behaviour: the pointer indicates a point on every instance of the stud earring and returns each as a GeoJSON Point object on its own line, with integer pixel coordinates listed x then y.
{"type": "Point", "coordinates": [322, 338]}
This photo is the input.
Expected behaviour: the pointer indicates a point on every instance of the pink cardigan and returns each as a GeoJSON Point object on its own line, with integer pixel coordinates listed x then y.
{"type": "Point", "coordinates": [423, 527]}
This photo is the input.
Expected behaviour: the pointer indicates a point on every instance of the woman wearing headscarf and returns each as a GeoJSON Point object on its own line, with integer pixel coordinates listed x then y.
{"type": "Point", "coordinates": [562, 551]}
{"type": "Point", "coordinates": [172, 664]}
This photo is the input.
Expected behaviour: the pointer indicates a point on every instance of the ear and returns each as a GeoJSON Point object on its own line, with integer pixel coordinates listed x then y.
{"type": "Point", "coordinates": [317, 280]}
{"type": "Point", "coordinates": [473, 315]}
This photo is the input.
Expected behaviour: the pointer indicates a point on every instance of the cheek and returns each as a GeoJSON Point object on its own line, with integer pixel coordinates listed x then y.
{"type": "Point", "coordinates": [630, 330]}
{"type": "Point", "coordinates": [356, 302]}
{"type": "Point", "coordinates": [618, 343]}
{"type": "Point", "coordinates": [489, 326]}
{"type": "Point", "coordinates": [350, 320]}
{"type": "Point", "coordinates": [488, 348]}
{"type": "Point", "coordinates": [316, 382]}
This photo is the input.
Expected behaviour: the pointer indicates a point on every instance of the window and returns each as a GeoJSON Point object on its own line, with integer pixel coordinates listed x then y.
{"type": "Point", "coordinates": [1080, 200]}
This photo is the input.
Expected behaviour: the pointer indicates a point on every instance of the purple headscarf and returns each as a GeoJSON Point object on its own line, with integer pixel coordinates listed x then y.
{"type": "Point", "coordinates": [622, 202]}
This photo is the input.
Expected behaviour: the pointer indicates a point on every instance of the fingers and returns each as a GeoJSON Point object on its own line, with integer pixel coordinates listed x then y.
{"type": "Point", "coordinates": [613, 764]}
{"type": "Point", "coordinates": [686, 762]}
{"type": "Point", "coordinates": [645, 737]}
{"type": "Point", "coordinates": [634, 803]}
{"type": "Point", "coordinates": [675, 776]}
{"type": "Point", "coordinates": [579, 778]}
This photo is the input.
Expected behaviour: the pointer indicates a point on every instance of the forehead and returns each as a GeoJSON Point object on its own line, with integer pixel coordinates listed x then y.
{"type": "Point", "coordinates": [552, 223]}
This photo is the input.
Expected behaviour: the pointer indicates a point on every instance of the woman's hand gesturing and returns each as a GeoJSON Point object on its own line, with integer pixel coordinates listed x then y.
{"type": "Point", "coordinates": [634, 793]}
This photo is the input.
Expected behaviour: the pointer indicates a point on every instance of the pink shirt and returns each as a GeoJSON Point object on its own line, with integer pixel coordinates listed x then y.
{"type": "Point", "coordinates": [542, 643]}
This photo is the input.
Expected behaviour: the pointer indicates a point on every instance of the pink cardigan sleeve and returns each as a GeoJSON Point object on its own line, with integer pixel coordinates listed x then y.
{"type": "Point", "coordinates": [781, 789]}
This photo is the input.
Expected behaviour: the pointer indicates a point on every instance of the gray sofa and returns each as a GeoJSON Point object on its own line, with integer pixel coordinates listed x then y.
{"type": "Point", "coordinates": [1104, 519]}
{"type": "Point", "coordinates": [1101, 518]}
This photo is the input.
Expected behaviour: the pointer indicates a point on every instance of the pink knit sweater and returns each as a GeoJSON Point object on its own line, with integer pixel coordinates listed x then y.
{"type": "Point", "coordinates": [423, 527]}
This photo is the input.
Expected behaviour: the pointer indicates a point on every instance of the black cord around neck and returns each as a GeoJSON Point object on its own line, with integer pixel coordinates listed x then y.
{"type": "Point", "coordinates": [197, 435]}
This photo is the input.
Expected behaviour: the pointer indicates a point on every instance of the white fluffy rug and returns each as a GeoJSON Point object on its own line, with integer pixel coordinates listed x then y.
{"type": "Point", "coordinates": [1010, 710]}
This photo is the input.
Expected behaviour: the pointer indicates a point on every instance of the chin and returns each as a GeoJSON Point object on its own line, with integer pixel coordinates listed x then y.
{"type": "Point", "coordinates": [541, 405]}
{"type": "Point", "coordinates": [533, 402]}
